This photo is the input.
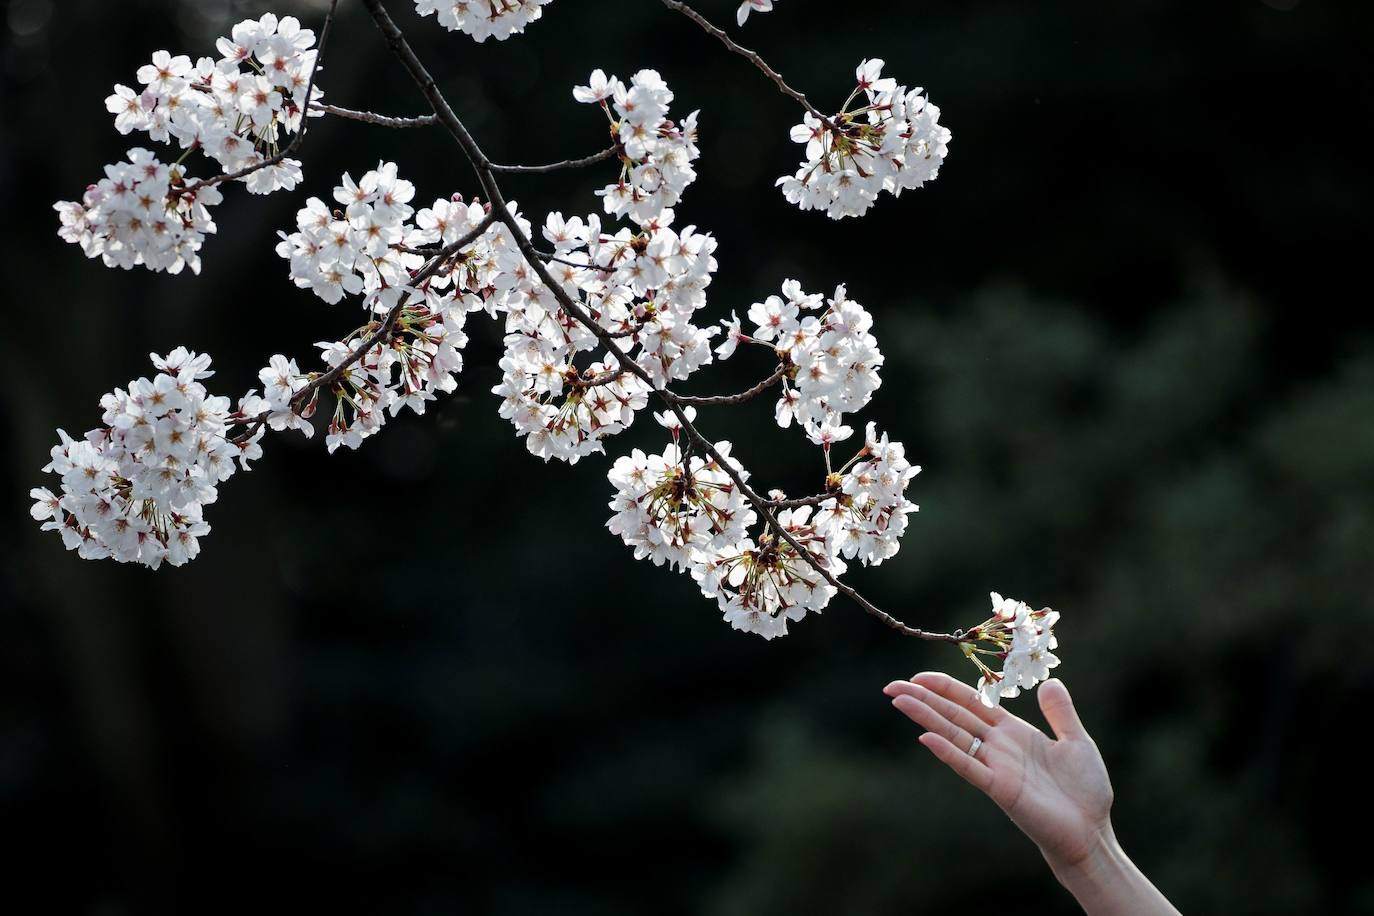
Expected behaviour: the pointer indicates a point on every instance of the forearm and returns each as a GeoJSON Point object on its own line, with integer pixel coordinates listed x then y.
{"type": "Point", "coordinates": [1107, 883]}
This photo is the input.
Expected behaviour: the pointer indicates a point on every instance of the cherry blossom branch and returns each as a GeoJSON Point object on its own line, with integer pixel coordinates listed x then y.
{"type": "Point", "coordinates": [368, 117]}
{"type": "Point", "coordinates": [751, 56]}
{"type": "Point", "coordinates": [718, 399]}
{"type": "Point", "coordinates": [608, 153]}
{"type": "Point", "coordinates": [400, 47]}
{"type": "Point", "coordinates": [294, 141]}
{"type": "Point", "coordinates": [379, 334]}
{"type": "Point", "coordinates": [800, 501]}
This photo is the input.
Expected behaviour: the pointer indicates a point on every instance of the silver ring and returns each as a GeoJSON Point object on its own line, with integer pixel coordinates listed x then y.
{"type": "Point", "coordinates": [973, 749]}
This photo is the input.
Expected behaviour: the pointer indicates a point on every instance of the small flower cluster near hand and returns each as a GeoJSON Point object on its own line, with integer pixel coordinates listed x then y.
{"type": "Point", "coordinates": [133, 489]}
{"type": "Point", "coordinates": [892, 142]}
{"type": "Point", "coordinates": [656, 155]}
{"type": "Point", "coordinates": [752, 6]}
{"type": "Point", "coordinates": [483, 19]}
{"type": "Point", "coordinates": [1022, 638]}
{"type": "Point", "coordinates": [235, 109]}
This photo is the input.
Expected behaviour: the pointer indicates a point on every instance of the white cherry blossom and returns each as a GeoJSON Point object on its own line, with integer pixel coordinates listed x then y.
{"type": "Point", "coordinates": [893, 141]}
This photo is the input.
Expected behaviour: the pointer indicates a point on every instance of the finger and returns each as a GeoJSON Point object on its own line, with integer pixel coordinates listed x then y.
{"type": "Point", "coordinates": [1057, 706]}
{"type": "Point", "coordinates": [961, 693]}
{"type": "Point", "coordinates": [974, 771]}
{"type": "Point", "coordinates": [947, 708]}
{"type": "Point", "coordinates": [932, 721]}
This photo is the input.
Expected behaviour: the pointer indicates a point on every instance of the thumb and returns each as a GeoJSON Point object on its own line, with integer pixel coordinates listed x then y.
{"type": "Point", "coordinates": [1057, 706]}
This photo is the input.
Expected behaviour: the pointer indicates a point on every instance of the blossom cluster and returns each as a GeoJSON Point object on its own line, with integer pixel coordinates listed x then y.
{"type": "Point", "coordinates": [235, 109]}
{"type": "Point", "coordinates": [656, 154]}
{"type": "Point", "coordinates": [687, 512]}
{"type": "Point", "coordinates": [830, 356]}
{"type": "Point", "coordinates": [1022, 638]}
{"type": "Point", "coordinates": [483, 19]}
{"type": "Point", "coordinates": [134, 488]}
{"type": "Point", "coordinates": [130, 217]}
{"type": "Point", "coordinates": [373, 247]}
{"type": "Point", "coordinates": [672, 507]}
{"type": "Point", "coordinates": [891, 142]}
{"type": "Point", "coordinates": [866, 516]}
{"type": "Point", "coordinates": [364, 247]}
{"type": "Point", "coordinates": [762, 583]}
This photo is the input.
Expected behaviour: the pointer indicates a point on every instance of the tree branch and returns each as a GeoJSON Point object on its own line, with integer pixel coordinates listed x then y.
{"type": "Point", "coordinates": [368, 117]}
{"type": "Point", "coordinates": [751, 56]}
{"type": "Point", "coordinates": [608, 153]}
{"type": "Point", "coordinates": [326, 379]}
{"type": "Point", "coordinates": [800, 501]}
{"type": "Point", "coordinates": [740, 398]}
{"type": "Point", "coordinates": [401, 48]}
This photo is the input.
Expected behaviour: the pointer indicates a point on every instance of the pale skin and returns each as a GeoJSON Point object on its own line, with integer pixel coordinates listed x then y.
{"type": "Point", "coordinates": [1055, 789]}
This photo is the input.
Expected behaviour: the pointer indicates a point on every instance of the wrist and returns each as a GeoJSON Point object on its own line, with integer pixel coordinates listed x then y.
{"type": "Point", "coordinates": [1098, 860]}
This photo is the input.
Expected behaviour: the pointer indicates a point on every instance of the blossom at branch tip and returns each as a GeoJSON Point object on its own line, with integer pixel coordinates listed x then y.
{"type": "Point", "coordinates": [834, 358]}
{"type": "Point", "coordinates": [867, 515]}
{"type": "Point", "coordinates": [236, 110]}
{"type": "Point", "coordinates": [134, 488]}
{"type": "Point", "coordinates": [892, 141]}
{"type": "Point", "coordinates": [1022, 638]}
{"type": "Point", "coordinates": [483, 19]}
{"type": "Point", "coordinates": [656, 154]}
{"type": "Point", "coordinates": [129, 218]}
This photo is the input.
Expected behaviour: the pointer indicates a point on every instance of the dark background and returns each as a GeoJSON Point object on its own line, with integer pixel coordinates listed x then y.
{"type": "Point", "coordinates": [1128, 336]}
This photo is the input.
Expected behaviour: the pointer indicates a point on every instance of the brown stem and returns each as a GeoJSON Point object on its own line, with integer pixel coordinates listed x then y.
{"type": "Point", "coordinates": [602, 156]}
{"type": "Point", "coordinates": [482, 166]}
{"type": "Point", "coordinates": [740, 398]}
{"type": "Point", "coordinates": [751, 56]}
{"type": "Point", "coordinates": [800, 501]}
{"type": "Point", "coordinates": [368, 117]}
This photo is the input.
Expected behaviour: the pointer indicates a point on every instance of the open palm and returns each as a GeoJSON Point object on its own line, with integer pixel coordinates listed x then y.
{"type": "Point", "coordinates": [1056, 790]}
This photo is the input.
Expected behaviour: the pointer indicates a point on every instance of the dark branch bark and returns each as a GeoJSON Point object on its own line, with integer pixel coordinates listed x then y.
{"type": "Point", "coordinates": [740, 398]}
{"type": "Point", "coordinates": [368, 117]}
{"type": "Point", "coordinates": [602, 156]}
{"type": "Point", "coordinates": [751, 56]}
{"type": "Point", "coordinates": [800, 501]}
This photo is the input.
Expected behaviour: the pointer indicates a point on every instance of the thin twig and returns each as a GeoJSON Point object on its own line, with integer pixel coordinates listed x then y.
{"type": "Point", "coordinates": [800, 501]}
{"type": "Point", "coordinates": [300, 134]}
{"type": "Point", "coordinates": [368, 117]}
{"type": "Point", "coordinates": [602, 156]}
{"type": "Point", "coordinates": [751, 56]}
{"type": "Point", "coordinates": [716, 399]}
{"type": "Point", "coordinates": [555, 259]}
{"type": "Point", "coordinates": [482, 166]}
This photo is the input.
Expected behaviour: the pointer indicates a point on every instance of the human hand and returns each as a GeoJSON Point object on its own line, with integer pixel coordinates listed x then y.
{"type": "Point", "coordinates": [1056, 790]}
